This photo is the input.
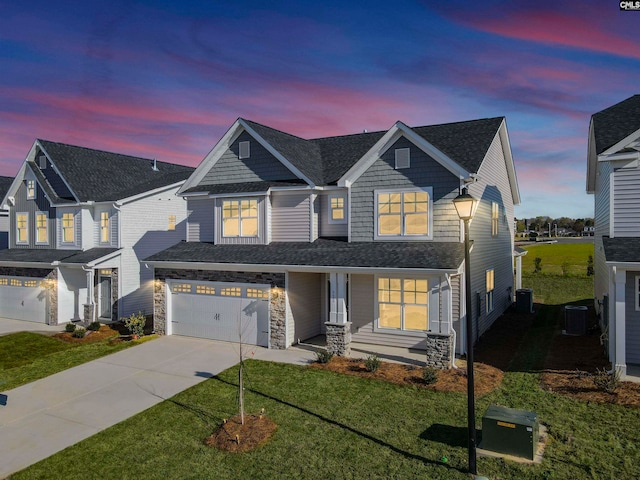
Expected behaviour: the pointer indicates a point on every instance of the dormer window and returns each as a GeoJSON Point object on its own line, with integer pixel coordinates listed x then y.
{"type": "Point", "coordinates": [31, 189]}
{"type": "Point", "coordinates": [244, 149]}
{"type": "Point", "coordinates": [337, 208]}
{"type": "Point", "coordinates": [403, 158]}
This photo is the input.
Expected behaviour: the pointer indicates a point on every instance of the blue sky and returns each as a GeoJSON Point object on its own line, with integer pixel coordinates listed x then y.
{"type": "Point", "coordinates": [166, 79]}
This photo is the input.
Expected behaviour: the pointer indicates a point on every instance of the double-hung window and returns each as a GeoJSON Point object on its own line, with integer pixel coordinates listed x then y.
{"type": "Point", "coordinates": [490, 281]}
{"type": "Point", "coordinates": [22, 228]}
{"type": "Point", "coordinates": [104, 227]}
{"type": "Point", "coordinates": [403, 304]}
{"type": "Point", "coordinates": [337, 209]}
{"type": "Point", "coordinates": [403, 215]}
{"type": "Point", "coordinates": [68, 230]}
{"type": "Point", "coordinates": [495, 218]}
{"type": "Point", "coordinates": [31, 189]}
{"type": "Point", "coordinates": [240, 217]}
{"type": "Point", "coordinates": [42, 234]}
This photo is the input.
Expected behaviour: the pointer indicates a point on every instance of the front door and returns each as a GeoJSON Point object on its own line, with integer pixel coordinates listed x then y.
{"type": "Point", "coordinates": [105, 297]}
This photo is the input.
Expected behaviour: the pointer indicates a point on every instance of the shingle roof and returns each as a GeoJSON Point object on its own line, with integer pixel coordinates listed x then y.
{"type": "Point", "coordinates": [246, 187]}
{"type": "Point", "coordinates": [48, 256]}
{"type": "Point", "coordinates": [5, 183]}
{"type": "Point", "coordinates": [616, 123]}
{"type": "Point", "coordinates": [322, 252]}
{"type": "Point", "coordinates": [325, 160]}
{"type": "Point", "coordinates": [621, 249]}
{"type": "Point", "coordinates": [104, 176]}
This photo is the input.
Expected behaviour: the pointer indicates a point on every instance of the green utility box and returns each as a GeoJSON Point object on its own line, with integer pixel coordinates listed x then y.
{"type": "Point", "coordinates": [510, 431]}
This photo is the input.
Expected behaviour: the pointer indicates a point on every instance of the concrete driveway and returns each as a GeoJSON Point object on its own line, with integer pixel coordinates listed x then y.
{"type": "Point", "coordinates": [11, 326]}
{"type": "Point", "coordinates": [46, 416]}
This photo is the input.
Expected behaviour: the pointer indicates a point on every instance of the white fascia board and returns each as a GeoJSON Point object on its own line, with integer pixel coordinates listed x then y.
{"type": "Point", "coordinates": [508, 157]}
{"type": "Point", "coordinates": [625, 142]}
{"type": "Point", "coordinates": [213, 156]}
{"type": "Point", "coordinates": [398, 130]}
{"type": "Point", "coordinates": [238, 195]}
{"type": "Point", "coordinates": [275, 153]}
{"type": "Point", "coordinates": [148, 193]}
{"type": "Point", "coordinates": [27, 264]}
{"type": "Point", "coordinates": [624, 265]}
{"type": "Point", "coordinates": [619, 157]}
{"type": "Point", "coordinates": [56, 170]}
{"type": "Point", "coordinates": [291, 190]}
{"type": "Point", "coordinates": [104, 258]}
{"type": "Point", "coordinates": [297, 268]}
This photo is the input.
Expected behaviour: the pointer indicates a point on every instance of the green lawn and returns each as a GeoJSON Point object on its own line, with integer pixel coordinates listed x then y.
{"type": "Point", "coordinates": [27, 356]}
{"type": "Point", "coordinates": [573, 255]}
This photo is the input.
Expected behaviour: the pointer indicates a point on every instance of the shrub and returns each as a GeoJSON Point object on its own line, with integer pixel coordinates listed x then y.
{"type": "Point", "coordinates": [94, 326]}
{"type": "Point", "coordinates": [372, 363]}
{"type": "Point", "coordinates": [537, 262]}
{"type": "Point", "coordinates": [429, 375]}
{"type": "Point", "coordinates": [79, 332]}
{"type": "Point", "coordinates": [135, 323]}
{"type": "Point", "coordinates": [70, 327]}
{"type": "Point", "coordinates": [608, 382]}
{"type": "Point", "coordinates": [323, 356]}
{"type": "Point", "coordinates": [590, 266]}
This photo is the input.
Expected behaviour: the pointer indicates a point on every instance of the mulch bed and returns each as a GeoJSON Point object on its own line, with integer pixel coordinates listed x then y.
{"type": "Point", "coordinates": [233, 436]}
{"type": "Point", "coordinates": [104, 333]}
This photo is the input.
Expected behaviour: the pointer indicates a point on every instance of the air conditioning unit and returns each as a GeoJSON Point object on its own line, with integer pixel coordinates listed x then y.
{"type": "Point", "coordinates": [524, 300]}
{"type": "Point", "coordinates": [575, 320]}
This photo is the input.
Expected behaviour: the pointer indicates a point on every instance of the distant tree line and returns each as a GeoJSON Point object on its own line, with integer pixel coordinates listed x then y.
{"type": "Point", "coordinates": [563, 225]}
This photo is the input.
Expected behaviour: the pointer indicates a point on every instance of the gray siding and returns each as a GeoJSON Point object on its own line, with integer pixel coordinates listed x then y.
{"type": "Point", "coordinates": [31, 207]}
{"type": "Point", "coordinates": [327, 229]}
{"type": "Point", "coordinates": [200, 220]}
{"type": "Point", "coordinates": [290, 218]}
{"type": "Point", "coordinates": [632, 324]}
{"type": "Point", "coordinates": [456, 311]}
{"type": "Point", "coordinates": [491, 252]}
{"type": "Point", "coordinates": [262, 226]}
{"type": "Point", "coordinates": [113, 227]}
{"type": "Point", "coordinates": [305, 301]}
{"type": "Point", "coordinates": [602, 206]}
{"type": "Point", "coordinates": [424, 172]}
{"type": "Point", "coordinates": [626, 202]}
{"type": "Point", "coordinates": [4, 229]}
{"type": "Point", "coordinates": [261, 165]}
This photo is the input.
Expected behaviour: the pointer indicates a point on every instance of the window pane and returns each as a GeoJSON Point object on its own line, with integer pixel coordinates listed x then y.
{"type": "Point", "coordinates": [417, 224]}
{"type": "Point", "coordinates": [249, 227]}
{"type": "Point", "coordinates": [230, 227]}
{"type": "Point", "coordinates": [229, 209]}
{"type": "Point", "coordinates": [337, 214]}
{"type": "Point", "coordinates": [390, 225]}
{"type": "Point", "coordinates": [390, 316]}
{"type": "Point", "coordinates": [415, 317]}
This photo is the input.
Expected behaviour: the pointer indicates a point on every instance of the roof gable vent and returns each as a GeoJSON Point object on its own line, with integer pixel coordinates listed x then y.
{"type": "Point", "coordinates": [403, 158]}
{"type": "Point", "coordinates": [244, 150]}
{"type": "Point", "coordinates": [42, 162]}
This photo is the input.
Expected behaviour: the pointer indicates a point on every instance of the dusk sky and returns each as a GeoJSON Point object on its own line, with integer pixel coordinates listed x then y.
{"type": "Point", "coordinates": [167, 79]}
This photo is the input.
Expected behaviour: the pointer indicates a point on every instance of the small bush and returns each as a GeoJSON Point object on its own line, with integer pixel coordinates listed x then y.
{"type": "Point", "coordinates": [70, 327]}
{"type": "Point", "coordinates": [135, 323]}
{"type": "Point", "coordinates": [429, 375]}
{"type": "Point", "coordinates": [372, 363]}
{"type": "Point", "coordinates": [323, 356]}
{"type": "Point", "coordinates": [94, 326]}
{"type": "Point", "coordinates": [79, 332]}
{"type": "Point", "coordinates": [537, 265]}
{"type": "Point", "coordinates": [608, 382]}
{"type": "Point", "coordinates": [590, 266]}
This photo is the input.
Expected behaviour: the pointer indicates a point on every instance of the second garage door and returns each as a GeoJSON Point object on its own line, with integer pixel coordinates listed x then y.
{"type": "Point", "coordinates": [23, 298]}
{"type": "Point", "coordinates": [220, 311]}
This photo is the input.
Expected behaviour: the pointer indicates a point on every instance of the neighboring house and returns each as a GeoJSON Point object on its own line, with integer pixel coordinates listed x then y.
{"type": "Point", "coordinates": [354, 237]}
{"type": "Point", "coordinates": [613, 176]}
{"type": "Point", "coordinates": [79, 221]}
{"type": "Point", "coordinates": [5, 183]}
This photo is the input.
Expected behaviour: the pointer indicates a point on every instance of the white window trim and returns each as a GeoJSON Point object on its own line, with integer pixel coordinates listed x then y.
{"type": "Point", "coordinates": [241, 145]}
{"type": "Point", "coordinates": [18, 241]}
{"type": "Point", "coordinates": [46, 226]}
{"type": "Point", "coordinates": [100, 241]}
{"type": "Point", "coordinates": [239, 200]}
{"type": "Point", "coordinates": [345, 208]}
{"type": "Point", "coordinates": [172, 222]}
{"type": "Point", "coordinates": [401, 151]}
{"type": "Point", "coordinates": [62, 240]}
{"type": "Point", "coordinates": [493, 292]}
{"type": "Point", "coordinates": [495, 221]}
{"type": "Point", "coordinates": [637, 293]}
{"type": "Point", "coordinates": [403, 237]}
{"type": "Point", "coordinates": [31, 196]}
{"type": "Point", "coordinates": [400, 331]}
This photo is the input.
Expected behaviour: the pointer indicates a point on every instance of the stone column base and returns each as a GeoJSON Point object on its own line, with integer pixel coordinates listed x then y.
{"type": "Point", "coordinates": [87, 316]}
{"type": "Point", "coordinates": [439, 351]}
{"type": "Point", "coordinates": [339, 338]}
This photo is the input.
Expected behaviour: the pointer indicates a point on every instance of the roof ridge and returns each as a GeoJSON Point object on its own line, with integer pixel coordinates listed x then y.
{"type": "Point", "coordinates": [274, 129]}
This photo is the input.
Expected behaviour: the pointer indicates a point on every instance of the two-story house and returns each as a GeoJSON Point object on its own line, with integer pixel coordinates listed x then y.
{"type": "Point", "coordinates": [354, 237]}
{"type": "Point", "coordinates": [613, 177]}
{"type": "Point", "coordinates": [80, 220]}
{"type": "Point", "coordinates": [5, 183]}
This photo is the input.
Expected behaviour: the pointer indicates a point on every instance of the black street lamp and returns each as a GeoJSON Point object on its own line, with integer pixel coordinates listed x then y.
{"type": "Point", "coordinates": [465, 206]}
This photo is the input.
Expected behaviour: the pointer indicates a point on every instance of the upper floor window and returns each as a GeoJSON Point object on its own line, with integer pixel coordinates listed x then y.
{"type": "Point", "coordinates": [244, 149]}
{"type": "Point", "coordinates": [337, 209]}
{"type": "Point", "coordinates": [172, 222]}
{"type": "Point", "coordinates": [495, 218]}
{"type": "Point", "coordinates": [403, 214]}
{"type": "Point", "coordinates": [22, 225]}
{"type": "Point", "coordinates": [31, 189]}
{"type": "Point", "coordinates": [490, 281]}
{"type": "Point", "coordinates": [68, 230]}
{"type": "Point", "coordinates": [104, 227]}
{"type": "Point", "coordinates": [240, 218]}
{"type": "Point", "coordinates": [42, 234]}
{"type": "Point", "coordinates": [403, 304]}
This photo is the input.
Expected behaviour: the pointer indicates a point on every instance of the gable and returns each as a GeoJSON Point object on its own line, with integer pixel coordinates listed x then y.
{"type": "Point", "coordinates": [260, 165]}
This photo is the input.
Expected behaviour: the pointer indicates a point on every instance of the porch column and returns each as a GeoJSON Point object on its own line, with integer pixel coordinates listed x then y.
{"type": "Point", "coordinates": [619, 358]}
{"type": "Point", "coordinates": [338, 327]}
{"type": "Point", "coordinates": [518, 272]}
{"type": "Point", "coordinates": [89, 307]}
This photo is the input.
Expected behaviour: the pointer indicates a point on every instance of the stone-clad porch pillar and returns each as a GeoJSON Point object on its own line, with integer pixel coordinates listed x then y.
{"type": "Point", "coordinates": [338, 331]}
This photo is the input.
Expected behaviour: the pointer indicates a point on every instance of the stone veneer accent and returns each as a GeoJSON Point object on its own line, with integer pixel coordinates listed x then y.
{"type": "Point", "coordinates": [50, 276]}
{"type": "Point", "coordinates": [339, 338]}
{"type": "Point", "coordinates": [87, 314]}
{"type": "Point", "coordinates": [277, 314]}
{"type": "Point", "coordinates": [439, 349]}
{"type": "Point", "coordinates": [114, 295]}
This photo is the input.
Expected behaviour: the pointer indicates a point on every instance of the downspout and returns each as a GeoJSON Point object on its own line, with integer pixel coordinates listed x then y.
{"type": "Point", "coordinates": [453, 350]}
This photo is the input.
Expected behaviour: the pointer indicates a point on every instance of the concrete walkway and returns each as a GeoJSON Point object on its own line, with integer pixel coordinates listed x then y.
{"type": "Point", "coordinates": [8, 325]}
{"type": "Point", "coordinates": [46, 416]}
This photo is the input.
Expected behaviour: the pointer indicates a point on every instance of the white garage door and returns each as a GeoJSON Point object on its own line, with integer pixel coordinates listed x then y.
{"type": "Point", "coordinates": [23, 298]}
{"type": "Point", "coordinates": [220, 311]}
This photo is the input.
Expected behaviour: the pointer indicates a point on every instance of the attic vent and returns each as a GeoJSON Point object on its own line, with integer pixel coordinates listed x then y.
{"type": "Point", "coordinates": [403, 158]}
{"type": "Point", "coordinates": [42, 162]}
{"type": "Point", "coordinates": [245, 149]}
{"type": "Point", "coordinates": [155, 165]}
